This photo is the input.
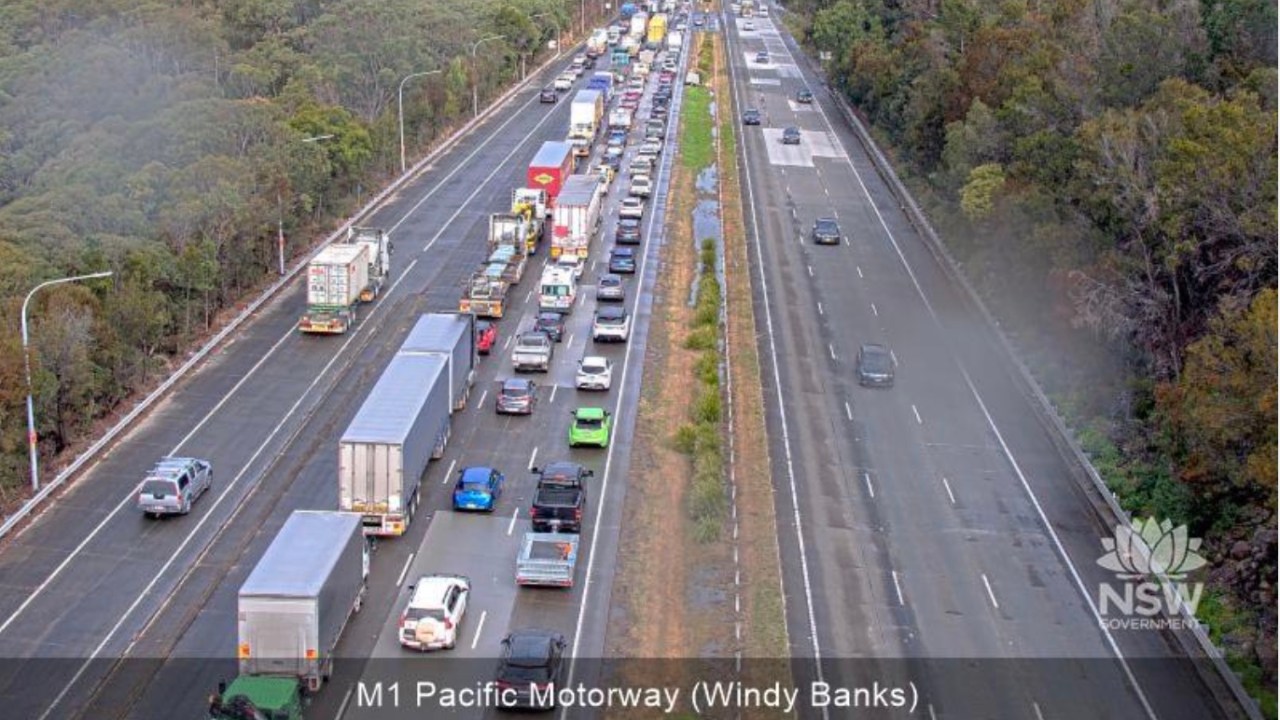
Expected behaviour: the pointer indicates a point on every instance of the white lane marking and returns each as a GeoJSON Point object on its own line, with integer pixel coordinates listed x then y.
{"type": "Point", "coordinates": [479, 629]}
{"type": "Point", "coordinates": [342, 709]}
{"type": "Point", "coordinates": [797, 519]}
{"type": "Point", "coordinates": [569, 342]}
{"type": "Point", "coordinates": [831, 349]}
{"type": "Point", "coordinates": [178, 552]}
{"type": "Point", "coordinates": [827, 191]}
{"type": "Point", "coordinates": [860, 275]}
{"type": "Point", "coordinates": [1036, 707]}
{"type": "Point", "coordinates": [405, 570]}
{"type": "Point", "coordinates": [1044, 519]}
{"type": "Point", "coordinates": [897, 587]}
{"type": "Point", "coordinates": [867, 478]}
{"type": "Point", "coordinates": [608, 461]}
{"type": "Point", "coordinates": [947, 485]}
{"type": "Point", "coordinates": [874, 311]}
{"type": "Point", "coordinates": [553, 393]}
{"type": "Point", "coordinates": [820, 309]}
{"type": "Point", "coordinates": [483, 395]}
{"type": "Point", "coordinates": [528, 295]}
{"type": "Point", "coordinates": [932, 716]}
{"type": "Point", "coordinates": [894, 358]}
{"type": "Point", "coordinates": [846, 241]}
{"type": "Point", "coordinates": [507, 343]}
{"type": "Point", "coordinates": [128, 499]}
{"type": "Point", "coordinates": [533, 458]}
{"type": "Point", "coordinates": [810, 268]}
{"type": "Point", "coordinates": [848, 411]}
{"type": "Point", "coordinates": [449, 473]}
{"type": "Point", "coordinates": [512, 525]}
{"type": "Point", "coordinates": [990, 594]}
{"type": "Point", "coordinates": [917, 414]}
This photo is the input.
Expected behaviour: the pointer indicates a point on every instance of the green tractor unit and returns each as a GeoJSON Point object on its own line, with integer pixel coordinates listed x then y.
{"type": "Point", "coordinates": [251, 697]}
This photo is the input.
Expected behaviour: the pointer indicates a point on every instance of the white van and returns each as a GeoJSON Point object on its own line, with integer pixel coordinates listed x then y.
{"type": "Point", "coordinates": [558, 289]}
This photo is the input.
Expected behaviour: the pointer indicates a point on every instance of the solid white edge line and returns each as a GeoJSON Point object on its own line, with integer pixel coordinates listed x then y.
{"type": "Point", "coordinates": [405, 570]}
{"type": "Point", "coordinates": [950, 495]}
{"type": "Point", "coordinates": [991, 594]}
{"type": "Point", "coordinates": [777, 384]}
{"type": "Point", "coordinates": [475, 639]}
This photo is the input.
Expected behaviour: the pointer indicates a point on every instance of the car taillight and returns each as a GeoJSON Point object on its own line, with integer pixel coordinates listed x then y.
{"type": "Point", "coordinates": [533, 512]}
{"type": "Point", "coordinates": [577, 514]}
{"type": "Point", "coordinates": [401, 623]}
{"type": "Point", "coordinates": [448, 624]}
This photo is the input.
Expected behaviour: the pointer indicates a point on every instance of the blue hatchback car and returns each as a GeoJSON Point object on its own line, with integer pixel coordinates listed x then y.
{"type": "Point", "coordinates": [478, 488]}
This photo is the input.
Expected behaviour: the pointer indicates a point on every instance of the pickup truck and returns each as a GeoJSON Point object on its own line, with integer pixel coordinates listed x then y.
{"type": "Point", "coordinates": [547, 559]}
{"type": "Point", "coordinates": [560, 498]}
{"type": "Point", "coordinates": [532, 351]}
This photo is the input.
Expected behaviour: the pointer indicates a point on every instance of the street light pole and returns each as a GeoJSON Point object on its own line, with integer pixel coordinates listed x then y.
{"type": "Point", "coordinates": [280, 209]}
{"type": "Point", "coordinates": [32, 441]}
{"type": "Point", "coordinates": [475, 83]}
{"type": "Point", "coordinates": [400, 109]}
{"type": "Point", "coordinates": [555, 22]}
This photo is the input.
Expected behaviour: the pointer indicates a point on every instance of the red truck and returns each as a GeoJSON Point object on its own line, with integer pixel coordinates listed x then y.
{"type": "Point", "coordinates": [550, 168]}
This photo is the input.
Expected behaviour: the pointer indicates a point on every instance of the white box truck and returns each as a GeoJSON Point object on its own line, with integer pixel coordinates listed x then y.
{"type": "Point", "coordinates": [576, 217]}
{"type": "Point", "coordinates": [585, 113]}
{"type": "Point", "coordinates": [400, 427]}
{"type": "Point", "coordinates": [295, 603]}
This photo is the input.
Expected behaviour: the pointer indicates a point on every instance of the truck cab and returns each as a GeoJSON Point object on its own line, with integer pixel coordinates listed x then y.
{"type": "Point", "coordinates": [559, 289]}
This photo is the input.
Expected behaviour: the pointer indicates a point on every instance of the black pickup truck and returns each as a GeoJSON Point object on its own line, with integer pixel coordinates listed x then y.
{"type": "Point", "coordinates": [561, 497]}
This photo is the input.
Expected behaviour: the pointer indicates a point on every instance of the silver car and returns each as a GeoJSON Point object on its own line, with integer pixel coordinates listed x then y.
{"type": "Point", "coordinates": [173, 485]}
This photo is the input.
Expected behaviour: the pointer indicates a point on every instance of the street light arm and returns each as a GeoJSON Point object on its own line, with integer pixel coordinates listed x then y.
{"type": "Point", "coordinates": [400, 109]}
{"type": "Point", "coordinates": [58, 281]}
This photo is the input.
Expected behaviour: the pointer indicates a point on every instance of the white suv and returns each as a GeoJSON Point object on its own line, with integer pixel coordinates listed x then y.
{"type": "Point", "coordinates": [612, 323]}
{"type": "Point", "coordinates": [435, 611]}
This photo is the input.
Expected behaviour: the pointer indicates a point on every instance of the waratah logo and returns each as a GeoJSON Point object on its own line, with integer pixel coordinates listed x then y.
{"type": "Point", "coordinates": [1171, 551]}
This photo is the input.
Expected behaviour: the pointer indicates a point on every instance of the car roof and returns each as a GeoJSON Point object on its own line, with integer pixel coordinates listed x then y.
{"type": "Point", "coordinates": [531, 645]}
{"type": "Point", "coordinates": [429, 592]}
{"type": "Point", "coordinates": [595, 360]}
{"type": "Point", "coordinates": [562, 468]}
{"type": "Point", "coordinates": [623, 251]}
{"type": "Point", "coordinates": [477, 473]}
{"type": "Point", "coordinates": [590, 413]}
{"type": "Point", "coordinates": [549, 315]}
{"type": "Point", "coordinates": [825, 221]}
{"type": "Point", "coordinates": [874, 349]}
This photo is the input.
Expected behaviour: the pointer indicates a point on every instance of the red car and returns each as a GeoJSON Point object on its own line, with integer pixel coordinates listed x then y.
{"type": "Point", "coordinates": [486, 336]}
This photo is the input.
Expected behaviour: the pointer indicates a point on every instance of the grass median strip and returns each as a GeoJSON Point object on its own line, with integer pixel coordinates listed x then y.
{"type": "Point", "coordinates": [699, 569]}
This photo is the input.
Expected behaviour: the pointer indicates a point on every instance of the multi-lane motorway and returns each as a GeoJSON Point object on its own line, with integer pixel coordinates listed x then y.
{"type": "Point", "coordinates": [92, 581]}
{"type": "Point", "coordinates": [931, 532]}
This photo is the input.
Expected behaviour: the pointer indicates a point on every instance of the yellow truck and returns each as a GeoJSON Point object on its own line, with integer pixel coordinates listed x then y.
{"type": "Point", "coordinates": [657, 29]}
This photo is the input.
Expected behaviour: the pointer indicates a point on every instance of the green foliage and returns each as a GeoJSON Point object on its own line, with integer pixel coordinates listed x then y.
{"type": "Point", "coordinates": [701, 338]}
{"type": "Point", "coordinates": [696, 148]}
{"type": "Point", "coordinates": [164, 141]}
{"type": "Point", "coordinates": [979, 194]}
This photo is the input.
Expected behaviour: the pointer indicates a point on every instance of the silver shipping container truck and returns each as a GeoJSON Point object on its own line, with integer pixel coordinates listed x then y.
{"type": "Point", "coordinates": [294, 605]}
{"type": "Point", "coordinates": [453, 336]}
{"type": "Point", "coordinates": [403, 423]}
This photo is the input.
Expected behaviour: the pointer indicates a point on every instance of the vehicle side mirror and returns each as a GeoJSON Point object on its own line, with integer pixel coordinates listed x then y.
{"type": "Point", "coordinates": [589, 473]}
{"type": "Point", "coordinates": [535, 471]}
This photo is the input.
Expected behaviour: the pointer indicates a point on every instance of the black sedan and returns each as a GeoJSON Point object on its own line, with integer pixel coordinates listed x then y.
{"type": "Point", "coordinates": [628, 232]}
{"type": "Point", "coordinates": [791, 136]}
{"type": "Point", "coordinates": [751, 116]}
{"type": "Point", "coordinates": [622, 260]}
{"type": "Point", "coordinates": [826, 231]}
{"type": "Point", "coordinates": [803, 95]}
{"type": "Point", "coordinates": [551, 323]}
{"type": "Point", "coordinates": [875, 366]}
{"type": "Point", "coordinates": [548, 95]}
{"type": "Point", "coordinates": [529, 658]}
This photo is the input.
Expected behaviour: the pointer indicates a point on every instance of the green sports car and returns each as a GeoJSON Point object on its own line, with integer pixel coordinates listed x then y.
{"type": "Point", "coordinates": [591, 426]}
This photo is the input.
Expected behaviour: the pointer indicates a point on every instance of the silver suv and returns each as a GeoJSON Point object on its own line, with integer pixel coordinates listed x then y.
{"type": "Point", "coordinates": [172, 486]}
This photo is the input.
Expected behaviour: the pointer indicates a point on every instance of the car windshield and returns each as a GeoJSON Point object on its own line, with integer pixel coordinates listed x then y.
{"type": "Point", "coordinates": [610, 280]}
{"type": "Point", "coordinates": [555, 290]}
{"type": "Point", "coordinates": [827, 227]}
{"type": "Point", "coordinates": [158, 487]}
{"type": "Point", "coordinates": [875, 360]}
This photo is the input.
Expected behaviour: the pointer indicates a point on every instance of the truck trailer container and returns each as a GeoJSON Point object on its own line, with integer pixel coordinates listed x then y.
{"type": "Point", "coordinates": [295, 603]}
{"type": "Point", "coordinates": [550, 168]}
{"type": "Point", "coordinates": [400, 427]}
{"type": "Point", "coordinates": [657, 29]}
{"type": "Point", "coordinates": [336, 277]}
{"type": "Point", "coordinates": [576, 217]}
{"type": "Point", "coordinates": [602, 81]}
{"type": "Point", "coordinates": [453, 337]}
{"type": "Point", "coordinates": [585, 114]}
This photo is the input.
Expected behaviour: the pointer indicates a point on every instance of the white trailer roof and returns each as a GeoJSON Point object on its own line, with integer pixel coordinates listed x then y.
{"type": "Point", "coordinates": [389, 412]}
{"type": "Point", "coordinates": [302, 555]}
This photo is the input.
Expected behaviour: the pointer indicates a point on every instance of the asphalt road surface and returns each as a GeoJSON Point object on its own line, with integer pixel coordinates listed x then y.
{"type": "Point", "coordinates": [930, 532]}
{"type": "Point", "coordinates": [92, 581]}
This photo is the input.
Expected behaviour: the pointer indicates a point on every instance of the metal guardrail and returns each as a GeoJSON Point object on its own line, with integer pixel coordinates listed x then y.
{"type": "Point", "coordinates": [266, 296]}
{"type": "Point", "coordinates": [1064, 438]}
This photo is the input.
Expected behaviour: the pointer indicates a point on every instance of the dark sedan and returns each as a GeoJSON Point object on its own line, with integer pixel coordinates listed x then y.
{"type": "Point", "coordinates": [791, 136]}
{"type": "Point", "coordinates": [751, 116]}
{"type": "Point", "coordinates": [826, 231]}
{"type": "Point", "coordinates": [548, 95]}
{"type": "Point", "coordinates": [804, 96]}
{"type": "Point", "coordinates": [551, 323]}
{"type": "Point", "coordinates": [628, 232]}
{"type": "Point", "coordinates": [529, 658]}
{"type": "Point", "coordinates": [516, 396]}
{"type": "Point", "coordinates": [875, 366]}
{"type": "Point", "coordinates": [622, 260]}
